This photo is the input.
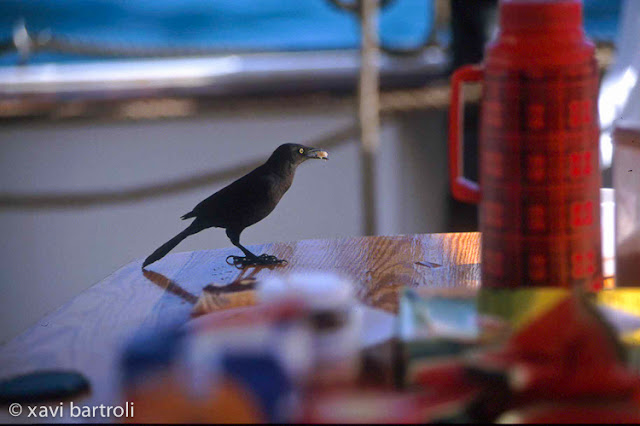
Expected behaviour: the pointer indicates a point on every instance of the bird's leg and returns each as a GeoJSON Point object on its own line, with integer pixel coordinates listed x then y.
{"type": "Point", "coordinates": [249, 258]}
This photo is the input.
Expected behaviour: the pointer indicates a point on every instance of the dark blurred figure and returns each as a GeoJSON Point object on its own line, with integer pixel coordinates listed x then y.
{"type": "Point", "coordinates": [472, 25]}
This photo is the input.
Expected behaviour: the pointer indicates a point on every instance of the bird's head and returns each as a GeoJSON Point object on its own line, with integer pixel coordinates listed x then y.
{"type": "Point", "coordinates": [297, 154]}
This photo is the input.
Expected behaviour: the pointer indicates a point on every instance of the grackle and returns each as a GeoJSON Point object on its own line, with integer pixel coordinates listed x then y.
{"type": "Point", "coordinates": [244, 202]}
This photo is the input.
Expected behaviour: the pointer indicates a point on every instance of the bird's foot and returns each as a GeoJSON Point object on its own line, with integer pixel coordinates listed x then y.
{"type": "Point", "coordinates": [242, 262]}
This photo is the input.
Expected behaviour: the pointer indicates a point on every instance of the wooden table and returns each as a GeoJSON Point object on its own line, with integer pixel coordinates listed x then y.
{"type": "Point", "coordinates": [88, 333]}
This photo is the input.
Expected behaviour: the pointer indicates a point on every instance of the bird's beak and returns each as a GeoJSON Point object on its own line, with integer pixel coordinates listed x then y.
{"type": "Point", "coordinates": [317, 154]}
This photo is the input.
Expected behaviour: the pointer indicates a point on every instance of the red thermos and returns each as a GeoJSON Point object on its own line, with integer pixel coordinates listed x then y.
{"type": "Point", "coordinates": [539, 190]}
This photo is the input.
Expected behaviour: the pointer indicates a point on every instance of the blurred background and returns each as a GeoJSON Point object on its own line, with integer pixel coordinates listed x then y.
{"type": "Point", "coordinates": [119, 116]}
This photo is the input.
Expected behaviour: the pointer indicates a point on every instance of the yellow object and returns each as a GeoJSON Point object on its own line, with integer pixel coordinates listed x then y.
{"type": "Point", "coordinates": [519, 306]}
{"type": "Point", "coordinates": [626, 299]}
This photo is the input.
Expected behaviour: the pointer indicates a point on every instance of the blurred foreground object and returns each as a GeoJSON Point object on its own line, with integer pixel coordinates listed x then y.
{"type": "Point", "coordinates": [229, 368]}
{"type": "Point", "coordinates": [305, 331]}
{"type": "Point", "coordinates": [433, 326]}
{"type": "Point", "coordinates": [273, 362]}
{"type": "Point", "coordinates": [565, 361]}
{"type": "Point", "coordinates": [335, 322]}
{"type": "Point", "coordinates": [540, 203]}
{"type": "Point", "coordinates": [43, 386]}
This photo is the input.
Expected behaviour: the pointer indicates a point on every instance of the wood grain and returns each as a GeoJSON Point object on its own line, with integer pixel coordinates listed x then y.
{"type": "Point", "coordinates": [88, 333]}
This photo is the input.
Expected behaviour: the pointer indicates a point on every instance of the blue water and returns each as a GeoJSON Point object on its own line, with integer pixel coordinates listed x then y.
{"type": "Point", "coordinates": [251, 24]}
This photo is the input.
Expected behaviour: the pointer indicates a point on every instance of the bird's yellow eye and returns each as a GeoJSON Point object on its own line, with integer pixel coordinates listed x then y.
{"type": "Point", "coordinates": [301, 150]}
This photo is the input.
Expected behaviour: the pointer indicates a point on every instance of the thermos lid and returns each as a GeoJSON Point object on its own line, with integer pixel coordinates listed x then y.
{"type": "Point", "coordinates": [540, 15]}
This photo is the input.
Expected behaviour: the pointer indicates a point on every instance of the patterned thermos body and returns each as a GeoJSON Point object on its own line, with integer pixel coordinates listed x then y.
{"type": "Point", "coordinates": [539, 189]}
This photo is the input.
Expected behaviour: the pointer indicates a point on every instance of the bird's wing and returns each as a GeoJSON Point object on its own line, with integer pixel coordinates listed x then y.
{"type": "Point", "coordinates": [240, 204]}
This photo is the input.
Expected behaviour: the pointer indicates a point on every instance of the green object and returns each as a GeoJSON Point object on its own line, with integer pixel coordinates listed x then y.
{"type": "Point", "coordinates": [518, 306]}
{"type": "Point", "coordinates": [433, 327]}
{"type": "Point", "coordinates": [623, 306]}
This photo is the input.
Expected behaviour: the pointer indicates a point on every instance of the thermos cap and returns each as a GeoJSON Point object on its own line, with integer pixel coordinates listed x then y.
{"type": "Point", "coordinates": [540, 15]}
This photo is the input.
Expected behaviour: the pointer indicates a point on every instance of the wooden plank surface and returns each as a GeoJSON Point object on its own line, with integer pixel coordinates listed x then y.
{"type": "Point", "coordinates": [88, 333]}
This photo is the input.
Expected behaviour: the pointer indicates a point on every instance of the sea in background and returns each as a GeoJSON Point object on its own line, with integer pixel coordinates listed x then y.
{"type": "Point", "coordinates": [234, 24]}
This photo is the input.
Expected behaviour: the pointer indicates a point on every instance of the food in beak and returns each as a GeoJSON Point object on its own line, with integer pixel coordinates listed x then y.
{"type": "Point", "coordinates": [323, 155]}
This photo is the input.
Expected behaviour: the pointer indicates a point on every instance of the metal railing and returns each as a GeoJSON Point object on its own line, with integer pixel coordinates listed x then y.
{"type": "Point", "coordinates": [26, 43]}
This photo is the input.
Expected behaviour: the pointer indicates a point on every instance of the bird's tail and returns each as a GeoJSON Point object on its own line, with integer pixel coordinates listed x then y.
{"type": "Point", "coordinates": [169, 245]}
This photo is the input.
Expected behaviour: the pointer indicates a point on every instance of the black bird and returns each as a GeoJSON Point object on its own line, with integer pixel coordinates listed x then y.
{"type": "Point", "coordinates": [244, 202]}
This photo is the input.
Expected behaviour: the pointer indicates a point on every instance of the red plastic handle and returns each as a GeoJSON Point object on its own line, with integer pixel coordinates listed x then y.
{"type": "Point", "coordinates": [462, 188]}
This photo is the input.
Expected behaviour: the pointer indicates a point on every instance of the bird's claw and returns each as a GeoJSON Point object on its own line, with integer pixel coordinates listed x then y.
{"type": "Point", "coordinates": [242, 262]}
